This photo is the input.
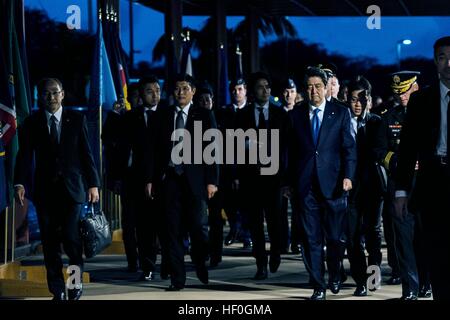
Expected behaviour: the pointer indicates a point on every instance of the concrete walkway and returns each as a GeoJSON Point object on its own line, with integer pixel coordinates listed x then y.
{"type": "Point", "coordinates": [231, 280]}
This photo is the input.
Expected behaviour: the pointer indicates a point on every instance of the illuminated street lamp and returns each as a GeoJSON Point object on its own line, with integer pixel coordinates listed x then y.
{"type": "Point", "coordinates": [405, 42]}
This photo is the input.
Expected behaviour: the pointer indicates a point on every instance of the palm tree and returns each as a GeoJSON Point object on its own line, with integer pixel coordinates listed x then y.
{"type": "Point", "coordinates": [203, 41]}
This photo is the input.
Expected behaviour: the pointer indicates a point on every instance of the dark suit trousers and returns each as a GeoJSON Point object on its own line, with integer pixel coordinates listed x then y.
{"type": "Point", "coordinates": [322, 219]}
{"type": "Point", "coordinates": [148, 222]}
{"type": "Point", "coordinates": [263, 199]}
{"type": "Point", "coordinates": [388, 229]}
{"type": "Point", "coordinates": [184, 211]}
{"type": "Point", "coordinates": [287, 237]}
{"type": "Point", "coordinates": [129, 212]}
{"type": "Point", "coordinates": [435, 209]}
{"type": "Point", "coordinates": [58, 217]}
{"type": "Point", "coordinates": [404, 247]}
{"type": "Point", "coordinates": [216, 222]}
{"type": "Point", "coordinates": [355, 245]}
{"type": "Point", "coordinates": [364, 224]}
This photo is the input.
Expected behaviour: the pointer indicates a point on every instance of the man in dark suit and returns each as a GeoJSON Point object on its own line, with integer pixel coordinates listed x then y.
{"type": "Point", "coordinates": [262, 193]}
{"type": "Point", "coordinates": [58, 140]}
{"type": "Point", "coordinates": [138, 130]}
{"type": "Point", "coordinates": [365, 199]}
{"type": "Point", "coordinates": [185, 185]}
{"type": "Point", "coordinates": [322, 161]}
{"type": "Point", "coordinates": [112, 135]}
{"type": "Point", "coordinates": [424, 138]}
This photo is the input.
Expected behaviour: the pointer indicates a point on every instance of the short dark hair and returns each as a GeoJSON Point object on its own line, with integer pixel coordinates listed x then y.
{"type": "Point", "coordinates": [145, 80]}
{"type": "Point", "coordinates": [441, 42]}
{"type": "Point", "coordinates": [185, 77]}
{"type": "Point", "coordinates": [134, 86]}
{"type": "Point", "coordinates": [43, 82]}
{"type": "Point", "coordinates": [254, 77]}
{"type": "Point", "coordinates": [315, 72]}
{"type": "Point", "coordinates": [237, 82]}
{"type": "Point", "coordinates": [360, 83]}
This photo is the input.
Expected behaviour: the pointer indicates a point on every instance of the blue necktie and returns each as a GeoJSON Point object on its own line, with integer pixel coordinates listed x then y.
{"type": "Point", "coordinates": [315, 125]}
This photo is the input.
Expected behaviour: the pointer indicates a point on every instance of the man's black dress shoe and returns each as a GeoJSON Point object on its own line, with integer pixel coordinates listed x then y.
{"type": "Point", "coordinates": [74, 294]}
{"type": "Point", "coordinates": [59, 296]}
{"type": "Point", "coordinates": [173, 287]}
{"type": "Point", "coordinates": [295, 248]}
{"type": "Point", "coordinates": [425, 292]}
{"type": "Point", "coordinates": [147, 276]}
{"type": "Point", "coordinates": [261, 273]}
{"type": "Point", "coordinates": [360, 291]}
{"type": "Point", "coordinates": [335, 287]}
{"type": "Point", "coordinates": [319, 294]}
{"type": "Point", "coordinates": [214, 261]}
{"type": "Point", "coordinates": [274, 263]}
{"type": "Point", "coordinates": [393, 281]}
{"type": "Point", "coordinates": [202, 273]}
{"type": "Point", "coordinates": [409, 296]}
{"type": "Point", "coordinates": [248, 244]}
{"type": "Point", "coordinates": [230, 238]}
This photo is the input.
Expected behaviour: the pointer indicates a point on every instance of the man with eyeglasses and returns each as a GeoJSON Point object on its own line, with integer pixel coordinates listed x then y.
{"type": "Point", "coordinates": [321, 168]}
{"type": "Point", "coordinates": [365, 199]}
{"type": "Point", "coordinates": [58, 140]}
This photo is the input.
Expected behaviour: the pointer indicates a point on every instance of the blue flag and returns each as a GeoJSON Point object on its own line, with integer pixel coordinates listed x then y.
{"type": "Point", "coordinates": [102, 91]}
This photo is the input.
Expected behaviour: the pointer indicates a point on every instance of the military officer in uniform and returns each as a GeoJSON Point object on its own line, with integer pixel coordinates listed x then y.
{"type": "Point", "coordinates": [289, 238]}
{"type": "Point", "coordinates": [403, 84]}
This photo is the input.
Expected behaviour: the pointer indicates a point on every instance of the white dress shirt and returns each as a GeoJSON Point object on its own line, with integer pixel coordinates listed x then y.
{"type": "Point", "coordinates": [441, 149]}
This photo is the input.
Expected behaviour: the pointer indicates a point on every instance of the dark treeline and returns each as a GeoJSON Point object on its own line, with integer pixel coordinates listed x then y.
{"type": "Point", "coordinates": [54, 50]}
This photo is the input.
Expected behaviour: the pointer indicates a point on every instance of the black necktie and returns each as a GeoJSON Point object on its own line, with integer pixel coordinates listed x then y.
{"type": "Point", "coordinates": [179, 124]}
{"type": "Point", "coordinates": [359, 122]}
{"type": "Point", "coordinates": [53, 131]}
{"type": "Point", "coordinates": [149, 115]}
{"type": "Point", "coordinates": [262, 119]}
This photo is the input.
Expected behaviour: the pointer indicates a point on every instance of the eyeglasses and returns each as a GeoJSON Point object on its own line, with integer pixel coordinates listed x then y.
{"type": "Point", "coordinates": [48, 93]}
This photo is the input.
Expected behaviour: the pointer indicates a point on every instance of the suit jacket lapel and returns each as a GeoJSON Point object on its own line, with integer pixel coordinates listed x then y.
{"type": "Point", "coordinates": [65, 127]}
{"type": "Point", "coordinates": [43, 127]}
{"type": "Point", "coordinates": [305, 122]}
{"type": "Point", "coordinates": [435, 105]}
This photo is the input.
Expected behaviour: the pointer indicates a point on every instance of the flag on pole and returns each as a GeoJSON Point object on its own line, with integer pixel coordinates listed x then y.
{"type": "Point", "coordinates": [224, 92]}
{"type": "Point", "coordinates": [186, 59]}
{"type": "Point", "coordinates": [239, 69]}
{"type": "Point", "coordinates": [3, 185]}
{"type": "Point", "coordinates": [16, 108]}
{"type": "Point", "coordinates": [102, 91]}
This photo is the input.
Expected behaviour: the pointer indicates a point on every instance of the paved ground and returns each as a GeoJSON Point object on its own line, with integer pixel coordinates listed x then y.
{"type": "Point", "coordinates": [231, 280]}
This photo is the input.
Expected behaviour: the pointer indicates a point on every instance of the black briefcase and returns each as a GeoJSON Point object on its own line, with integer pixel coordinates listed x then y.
{"type": "Point", "coordinates": [95, 232]}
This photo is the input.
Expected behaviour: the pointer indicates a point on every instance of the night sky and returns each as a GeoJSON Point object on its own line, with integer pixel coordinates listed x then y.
{"type": "Point", "coordinates": [344, 35]}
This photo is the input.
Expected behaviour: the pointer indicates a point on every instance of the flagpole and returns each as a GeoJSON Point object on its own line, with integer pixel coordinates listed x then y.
{"type": "Point", "coordinates": [13, 230]}
{"type": "Point", "coordinates": [100, 151]}
{"type": "Point", "coordinates": [6, 236]}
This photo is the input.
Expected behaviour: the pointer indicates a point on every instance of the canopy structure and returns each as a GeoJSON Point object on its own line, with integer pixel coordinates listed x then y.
{"type": "Point", "coordinates": [310, 7]}
{"type": "Point", "coordinates": [219, 9]}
